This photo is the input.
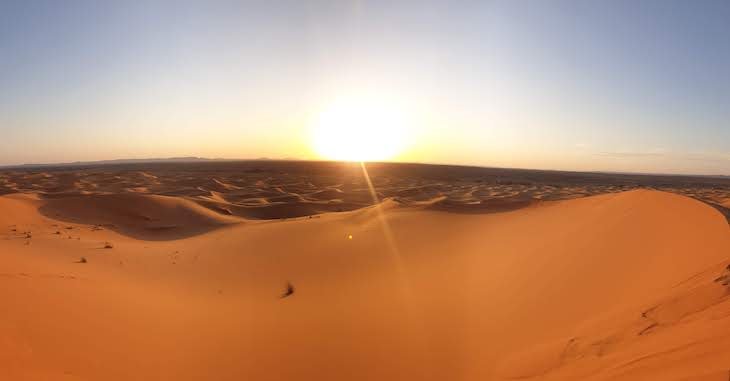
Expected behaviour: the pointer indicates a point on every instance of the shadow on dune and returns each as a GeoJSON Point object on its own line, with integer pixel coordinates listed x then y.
{"type": "Point", "coordinates": [162, 218]}
{"type": "Point", "coordinates": [282, 210]}
{"type": "Point", "coordinates": [725, 211]}
{"type": "Point", "coordinates": [145, 217]}
{"type": "Point", "coordinates": [498, 205]}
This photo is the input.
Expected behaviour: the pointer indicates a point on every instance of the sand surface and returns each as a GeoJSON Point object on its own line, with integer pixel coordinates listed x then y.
{"type": "Point", "coordinates": [161, 274]}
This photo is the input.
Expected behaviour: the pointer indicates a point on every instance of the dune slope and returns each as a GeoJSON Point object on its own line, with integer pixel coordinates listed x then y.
{"type": "Point", "coordinates": [620, 286]}
{"type": "Point", "coordinates": [137, 215]}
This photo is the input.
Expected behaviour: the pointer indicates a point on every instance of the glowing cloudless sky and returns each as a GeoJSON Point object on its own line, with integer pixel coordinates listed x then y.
{"type": "Point", "coordinates": [579, 85]}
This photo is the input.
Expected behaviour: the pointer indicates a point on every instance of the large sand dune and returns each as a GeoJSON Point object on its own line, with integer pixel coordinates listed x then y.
{"type": "Point", "coordinates": [626, 286]}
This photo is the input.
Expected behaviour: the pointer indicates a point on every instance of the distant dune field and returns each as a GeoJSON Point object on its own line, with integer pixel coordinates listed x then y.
{"type": "Point", "coordinates": [177, 272]}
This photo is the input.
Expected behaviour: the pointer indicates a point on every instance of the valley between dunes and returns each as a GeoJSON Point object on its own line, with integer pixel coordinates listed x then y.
{"type": "Point", "coordinates": [621, 286]}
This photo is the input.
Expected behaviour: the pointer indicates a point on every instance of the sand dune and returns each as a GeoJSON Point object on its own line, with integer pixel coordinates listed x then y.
{"type": "Point", "coordinates": [626, 285]}
{"type": "Point", "coordinates": [140, 216]}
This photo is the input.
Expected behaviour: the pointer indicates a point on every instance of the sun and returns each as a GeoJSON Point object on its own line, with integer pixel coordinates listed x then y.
{"type": "Point", "coordinates": [360, 130]}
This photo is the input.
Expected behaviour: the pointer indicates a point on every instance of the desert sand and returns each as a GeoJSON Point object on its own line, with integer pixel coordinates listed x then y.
{"type": "Point", "coordinates": [175, 272]}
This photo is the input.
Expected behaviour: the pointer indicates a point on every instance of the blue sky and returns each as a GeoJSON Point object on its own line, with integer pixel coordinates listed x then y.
{"type": "Point", "coordinates": [581, 85]}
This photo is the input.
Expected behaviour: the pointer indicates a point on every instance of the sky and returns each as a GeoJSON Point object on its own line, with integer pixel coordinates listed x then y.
{"type": "Point", "coordinates": [628, 86]}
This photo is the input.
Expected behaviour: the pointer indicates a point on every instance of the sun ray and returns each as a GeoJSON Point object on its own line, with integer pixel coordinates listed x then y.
{"type": "Point", "coordinates": [388, 234]}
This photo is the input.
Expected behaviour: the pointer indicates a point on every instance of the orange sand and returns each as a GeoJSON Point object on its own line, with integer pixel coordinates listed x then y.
{"type": "Point", "coordinates": [623, 286]}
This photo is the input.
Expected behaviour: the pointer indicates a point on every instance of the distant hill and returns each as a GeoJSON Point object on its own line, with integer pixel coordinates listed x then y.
{"type": "Point", "coordinates": [187, 159]}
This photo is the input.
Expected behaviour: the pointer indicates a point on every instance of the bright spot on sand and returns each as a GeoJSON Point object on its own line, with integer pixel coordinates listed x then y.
{"type": "Point", "coordinates": [349, 236]}
{"type": "Point", "coordinates": [360, 129]}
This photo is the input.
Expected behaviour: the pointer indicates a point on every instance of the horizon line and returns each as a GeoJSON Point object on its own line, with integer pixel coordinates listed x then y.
{"type": "Point", "coordinates": [192, 159]}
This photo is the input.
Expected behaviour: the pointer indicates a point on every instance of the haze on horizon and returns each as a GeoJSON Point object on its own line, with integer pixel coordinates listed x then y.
{"type": "Point", "coordinates": [607, 86]}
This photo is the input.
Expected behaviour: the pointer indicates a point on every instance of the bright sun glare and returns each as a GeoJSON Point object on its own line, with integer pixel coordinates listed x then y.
{"type": "Point", "coordinates": [360, 130]}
